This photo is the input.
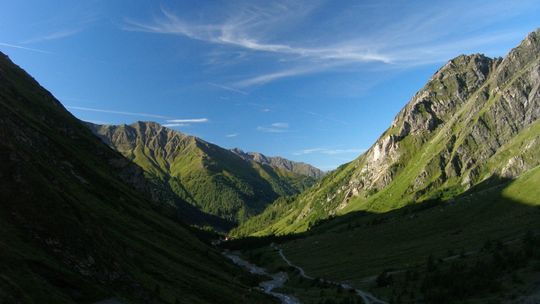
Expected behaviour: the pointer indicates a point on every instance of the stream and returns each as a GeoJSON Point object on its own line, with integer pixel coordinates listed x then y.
{"type": "Point", "coordinates": [278, 279]}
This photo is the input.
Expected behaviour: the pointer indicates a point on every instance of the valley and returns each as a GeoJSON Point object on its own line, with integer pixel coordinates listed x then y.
{"type": "Point", "coordinates": [442, 207]}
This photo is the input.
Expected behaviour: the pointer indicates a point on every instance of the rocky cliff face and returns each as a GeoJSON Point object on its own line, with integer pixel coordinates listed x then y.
{"type": "Point", "coordinates": [431, 108]}
{"type": "Point", "coordinates": [444, 136]}
{"type": "Point", "coordinates": [280, 162]}
{"type": "Point", "coordinates": [474, 120]}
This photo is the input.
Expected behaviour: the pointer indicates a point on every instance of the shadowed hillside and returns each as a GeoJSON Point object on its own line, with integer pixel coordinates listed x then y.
{"type": "Point", "coordinates": [75, 230]}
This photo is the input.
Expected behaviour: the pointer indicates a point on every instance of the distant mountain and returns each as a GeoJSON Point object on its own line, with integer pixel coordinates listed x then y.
{"type": "Point", "coordinates": [78, 221]}
{"type": "Point", "coordinates": [475, 121]}
{"type": "Point", "coordinates": [216, 180]}
{"type": "Point", "coordinates": [281, 163]}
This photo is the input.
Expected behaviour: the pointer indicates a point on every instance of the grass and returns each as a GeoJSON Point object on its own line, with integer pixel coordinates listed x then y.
{"type": "Point", "coordinates": [73, 230]}
{"type": "Point", "coordinates": [215, 180]}
{"type": "Point", "coordinates": [466, 148]}
{"type": "Point", "coordinates": [356, 247]}
{"type": "Point", "coordinates": [307, 291]}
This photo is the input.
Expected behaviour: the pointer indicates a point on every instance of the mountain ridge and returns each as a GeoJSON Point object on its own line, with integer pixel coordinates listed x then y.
{"type": "Point", "coordinates": [215, 180]}
{"type": "Point", "coordinates": [439, 145]}
{"type": "Point", "coordinates": [77, 223]}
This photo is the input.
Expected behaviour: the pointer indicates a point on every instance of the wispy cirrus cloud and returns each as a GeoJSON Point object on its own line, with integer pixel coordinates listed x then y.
{"type": "Point", "coordinates": [237, 31]}
{"type": "Point", "coordinates": [171, 125]}
{"type": "Point", "coordinates": [228, 88]}
{"type": "Point", "coordinates": [281, 125]}
{"type": "Point", "coordinates": [414, 38]}
{"type": "Point", "coordinates": [232, 135]}
{"type": "Point", "coordinates": [277, 127]}
{"type": "Point", "coordinates": [328, 151]}
{"type": "Point", "coordinates": [118, 112]}
{"type": "Point", "coordinates": [64, 33]}
{"type": "Point", "coordinates": [246, 29]}
{"type": "Point", "coordinates": [265, 78]}
{"type": "Point", "coordinates": [15, 46]}
{"type": "Point", "coordinates": [188, 120]}
{"type": "Point", "coordinates": [169, 121]}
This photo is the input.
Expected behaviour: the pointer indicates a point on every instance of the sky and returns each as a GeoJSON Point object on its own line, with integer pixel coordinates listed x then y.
{"type": "Point", "coordinates": [313, 81]}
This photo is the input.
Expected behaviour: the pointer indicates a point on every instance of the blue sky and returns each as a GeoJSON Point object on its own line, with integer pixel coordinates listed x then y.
{"type": "Point", "coordinates": [313, 81]}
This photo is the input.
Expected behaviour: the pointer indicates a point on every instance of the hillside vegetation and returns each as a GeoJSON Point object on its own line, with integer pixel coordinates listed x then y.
{"type": "Point", "coordinates": [78, 222]}
{"type": "Point", "coordinates": [217, 181]}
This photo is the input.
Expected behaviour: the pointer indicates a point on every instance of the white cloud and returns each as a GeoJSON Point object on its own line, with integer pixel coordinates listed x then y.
{"type": "Point", "coordinates": [270, 130]}
{"type": "Point", "coordinates": [238, 30]}
{"type": "Point", "coordinates": [170, 121]}
{"type": "Point", "coordinates": [117, 112]}
{"type": "Point", "coordinates": [308, 151]}
{"type": "Point", "coordinates": [188, 120]}
{"type": "Point", "coordinates": [265, 78]}
{"type": "Point", "coordinates": [170, 125]}
{"type": "Point", "coordinates": [228, 88]}
{"type": "Point", "coordinates": [342, 151]}
{"type": "Point", "coordinates": [419, 37]}
{"type": "Point", "coordinates": [24, 48]}
{"type": "Point", "coordinates": [282, 125]}
{"type": "Point", "coordinates": [329, 151]}
{"type": "Point", "coordinates": [231, 135]}
{"type": "Point", "coordinates": [54, 36]}
{"type": "Point", "coordinates": [98, 122]}
{"type": "Point", "coordinates": [277, 127]}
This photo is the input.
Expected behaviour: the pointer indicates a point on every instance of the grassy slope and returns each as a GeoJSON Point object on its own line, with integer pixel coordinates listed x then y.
{"type": "Point", "coordinates": [424, 156]}
{"type": "Point", "coordinates": [363, 244]}
{"type": "Point", "coordinates": [279, 217]}
{"type": "Point", "coordinates": [212, 178]}
{"type": "Point", "coordinates": [72, 231]}
{"type": "Point", "coordinates": [359, 246]}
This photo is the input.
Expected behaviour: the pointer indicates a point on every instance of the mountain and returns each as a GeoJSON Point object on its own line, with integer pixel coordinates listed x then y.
{"type": "Point", "coordinates": [281, 163]}
{"type": "Point", "coordinates": [216, 180]}
{"type": "Point", "coordinates": [443, 208]}
{"type": "Point", "coordinates": [78, 221]}
{"type": "Point", "coordinates": [476, 120]}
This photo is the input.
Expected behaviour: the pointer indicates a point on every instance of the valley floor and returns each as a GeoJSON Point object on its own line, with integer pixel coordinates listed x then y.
{"type": "Point", "coordinates": [391, 254]}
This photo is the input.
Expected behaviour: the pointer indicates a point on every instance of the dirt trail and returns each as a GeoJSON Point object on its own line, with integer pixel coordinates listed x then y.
{"type": "Point", "coordinates": [366, 297]}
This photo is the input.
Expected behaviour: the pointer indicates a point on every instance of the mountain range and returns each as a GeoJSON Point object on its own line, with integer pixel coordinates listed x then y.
{"type": "Point", "coordinates": [442, 208]}
{"type": "Point", "coordinates": [229, 184]}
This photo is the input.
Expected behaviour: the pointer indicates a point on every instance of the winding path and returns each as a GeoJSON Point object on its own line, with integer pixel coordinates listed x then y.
{"type": "Point", "coordinates": [366, 297]}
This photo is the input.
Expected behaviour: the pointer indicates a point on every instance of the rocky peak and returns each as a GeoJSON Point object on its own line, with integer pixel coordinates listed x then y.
{"type": "Point", "coordinates": [479, 83]}
{"type": "Point", "coordinates": [519, 57]}
{"type": "Point", "coordinates": [449, 87]}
